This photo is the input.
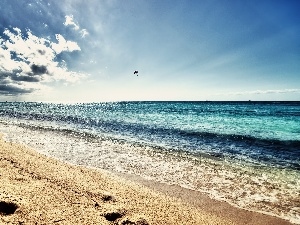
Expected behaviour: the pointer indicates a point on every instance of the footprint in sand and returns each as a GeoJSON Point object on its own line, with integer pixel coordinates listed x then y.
{"type": "Point", "coordinates": [137, 221]}
{"type": "Point", "coordinates": [7, 208]}
{"type": "Point", "coordinates": [115, 216]}
{"type": "Point", "coordinates": [119, 217]}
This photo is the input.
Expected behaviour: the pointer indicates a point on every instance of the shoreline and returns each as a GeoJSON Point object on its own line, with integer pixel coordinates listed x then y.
{"type": "Point", "coordinates": [205, 203]}
{"type": "Point", "coordinates": [46, 190]}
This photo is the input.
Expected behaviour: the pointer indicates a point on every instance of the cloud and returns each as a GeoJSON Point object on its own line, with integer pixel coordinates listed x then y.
{"type": "Point", "coordinates": [39, 70]}
{"type": "Point", "coordinates": [84, 33]}
{"type": "Point", "coordinates": [262, 92]}
{"type": "Point", "coordinates": [13, 90]}
{"type": "Point", "coordinates": [28, 62]}
{"type": "Point", "coordinates": [64, 45]}
{"type": "Point", "coordinates": [70, 22]}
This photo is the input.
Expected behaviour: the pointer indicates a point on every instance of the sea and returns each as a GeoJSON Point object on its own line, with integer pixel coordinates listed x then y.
{"type": "Point", "coordinates": [244, 153]}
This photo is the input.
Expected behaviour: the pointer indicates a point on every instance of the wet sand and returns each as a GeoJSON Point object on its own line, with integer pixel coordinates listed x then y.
{"type": "Point", "coordinates": [35, 189]}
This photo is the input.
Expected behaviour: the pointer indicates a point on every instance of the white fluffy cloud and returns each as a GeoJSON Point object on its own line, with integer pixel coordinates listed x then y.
{"type": "Point", "coordinates": [64, 45]}
{"type": "Point", "coordinates": [28, 62]}
{"type": "Point", "coordinates": [70, 22]}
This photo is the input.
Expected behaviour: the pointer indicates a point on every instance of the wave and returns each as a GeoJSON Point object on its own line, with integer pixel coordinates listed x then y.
{"type": "Point", "coordinates": [101, 119]}
{"type": "Point", "coordinates": [280, 153]}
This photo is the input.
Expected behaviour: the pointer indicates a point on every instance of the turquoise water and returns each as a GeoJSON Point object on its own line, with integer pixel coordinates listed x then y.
{"type": "Point", "coordinates": [245, 153]}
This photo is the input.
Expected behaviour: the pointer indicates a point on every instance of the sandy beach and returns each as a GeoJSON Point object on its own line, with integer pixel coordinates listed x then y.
{"type": "Point", "coordinates": [35, 189]}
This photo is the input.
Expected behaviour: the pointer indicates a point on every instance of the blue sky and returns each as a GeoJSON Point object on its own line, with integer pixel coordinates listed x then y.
{"type": "Point", "coordinates": [87, 51]}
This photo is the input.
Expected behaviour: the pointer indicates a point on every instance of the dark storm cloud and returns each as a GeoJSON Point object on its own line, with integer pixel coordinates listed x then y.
{"type": "Point", "coordinates": [38, 70]}
{"type": "Point", "coordinates": [11, 83]}
{"type": "Point", "coordinates": [25, 78]}
{"type": "Point", "coordinates": [6, 89]}
{"type": "Point", "coordinates": [5, 77]}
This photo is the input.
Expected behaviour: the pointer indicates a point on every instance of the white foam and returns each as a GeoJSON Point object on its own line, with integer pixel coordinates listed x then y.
{"type": "Point", "coordinates": [271, 191]}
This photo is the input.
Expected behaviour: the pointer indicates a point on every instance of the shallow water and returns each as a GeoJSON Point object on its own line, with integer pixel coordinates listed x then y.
{"type": "Point", "coordinates": [244, 153]}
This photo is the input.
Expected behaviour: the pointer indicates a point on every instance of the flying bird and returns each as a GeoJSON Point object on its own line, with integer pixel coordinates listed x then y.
{"type": "Point", "coordinates": [136, 72]}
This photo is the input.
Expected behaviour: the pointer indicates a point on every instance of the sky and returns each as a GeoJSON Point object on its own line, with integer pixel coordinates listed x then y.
{"type": "Point", "coordinates": [193, 50]}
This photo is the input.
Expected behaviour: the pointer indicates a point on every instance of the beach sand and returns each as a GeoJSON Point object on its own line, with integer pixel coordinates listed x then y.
{"type": "Point", "coordinates": [35, 189]}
